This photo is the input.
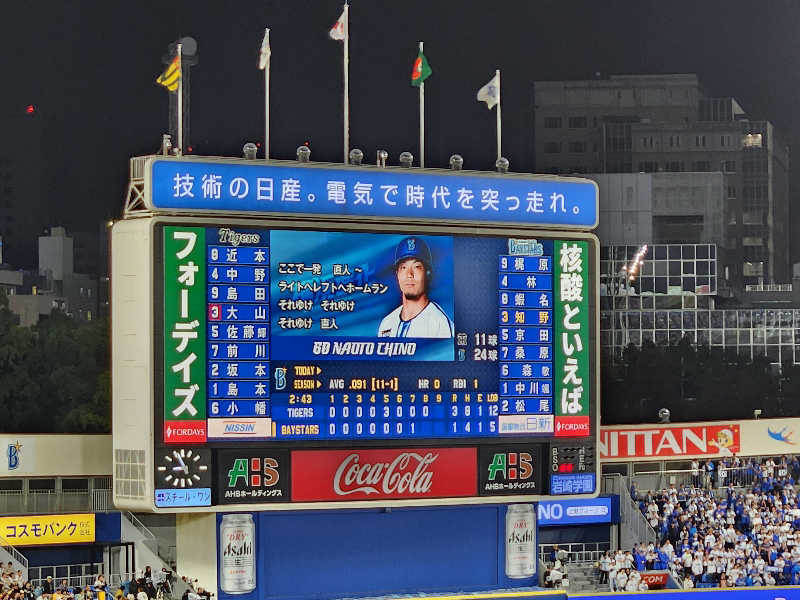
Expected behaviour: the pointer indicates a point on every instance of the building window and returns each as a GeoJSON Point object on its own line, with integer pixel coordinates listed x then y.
{"type": "Point", "coordinates": [728, 166]}
{"type": "Point", "coordinates": [648, 166]}
{"type": "Point", "coordinates": [752, 241]}
{"type": "Point", "coordinates": [577, 122]}
{"type": "Point", "coordinates": [702, 166]}
{"type": "Point", "coordinates": [731, 192]}
{"type": "Point", "coordinates": [674, 166]}
{"type": "Point", "coordinates": [577, 146]}
{"type": "Point", "coordinates": [552, 147]}
{"type": "Point", "coordinates": [751, 140]}
{"type": "Point", "coordinates": [552, 122]}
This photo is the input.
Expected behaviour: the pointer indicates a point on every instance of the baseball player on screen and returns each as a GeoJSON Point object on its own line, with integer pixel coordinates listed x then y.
{"type": "Point", "coordinates": [418, 316]}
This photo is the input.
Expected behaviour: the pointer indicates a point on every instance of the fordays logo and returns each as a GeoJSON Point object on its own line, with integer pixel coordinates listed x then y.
{"type": "Point", "coordinates": [511, 465]}
{"type": "Point", "coordinates": [572, 426]}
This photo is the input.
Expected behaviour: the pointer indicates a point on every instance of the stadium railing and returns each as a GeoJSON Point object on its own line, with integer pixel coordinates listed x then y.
{"type": "Point", "coordinates": [636, 529]}
{"type": "Point", "coordinates": [718, 479]}
{"type": "Point", "coordinates": [79, 575]}
{"type": "Point", "coordinates": [18, 502]}
{"type": "Point", "coordinates": [577, 553]}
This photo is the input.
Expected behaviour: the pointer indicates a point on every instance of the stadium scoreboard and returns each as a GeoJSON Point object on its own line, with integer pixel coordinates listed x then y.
{"type": "Point", "coordinates": [304, 336]}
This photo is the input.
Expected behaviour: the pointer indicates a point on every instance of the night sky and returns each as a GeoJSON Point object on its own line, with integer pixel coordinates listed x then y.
{"type": "Point", "coordinates": [89, 68]}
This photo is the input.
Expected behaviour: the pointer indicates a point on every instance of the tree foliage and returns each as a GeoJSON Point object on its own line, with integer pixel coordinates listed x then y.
{"type": "Point", "coordinates": [695, 384]}
{"type": "Point", "coordinates": [54, 377]}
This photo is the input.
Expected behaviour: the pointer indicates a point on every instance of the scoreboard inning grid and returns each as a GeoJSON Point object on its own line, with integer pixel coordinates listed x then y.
{"type": "Point", "coordinates": [284, 350]}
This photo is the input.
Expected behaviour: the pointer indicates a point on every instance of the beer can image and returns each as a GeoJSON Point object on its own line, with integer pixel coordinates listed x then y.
{"type": "Point", "coordinates": [520, 541]}
{"type": "Point", "coordinates": [237, 558]}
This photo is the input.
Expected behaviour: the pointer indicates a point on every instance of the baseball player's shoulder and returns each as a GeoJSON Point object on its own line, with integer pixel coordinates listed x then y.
{"type": "Point", "coordinates": [441, 319]}
{"type": "Point", "coordinates": [389, 322]}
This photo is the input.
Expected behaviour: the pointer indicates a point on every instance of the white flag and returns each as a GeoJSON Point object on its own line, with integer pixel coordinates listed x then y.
{"type": "Point", "coordinates": [490, 93]}
{"type": "Point", "coordinates": [265, 53]}
{"type": "Point", "coordinates": [337, 31]}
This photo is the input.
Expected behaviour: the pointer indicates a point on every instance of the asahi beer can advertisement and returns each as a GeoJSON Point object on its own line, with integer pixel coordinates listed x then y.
{"type": "Point", "coordinates": [520, 541]}
{"type": "Point", "coordinates": [237, 559]}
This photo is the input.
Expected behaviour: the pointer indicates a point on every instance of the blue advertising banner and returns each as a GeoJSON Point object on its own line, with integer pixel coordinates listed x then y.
{"type": "Point", "coordinates": [234, 186]}
{"type": "Point", "coordinates": [575, 512]}
{"type": "Point", "coordinates": [765, 593]}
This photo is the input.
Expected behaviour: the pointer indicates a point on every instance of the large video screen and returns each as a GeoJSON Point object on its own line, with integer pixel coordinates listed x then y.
{"type": "Point", "coordinates": [285, 335]}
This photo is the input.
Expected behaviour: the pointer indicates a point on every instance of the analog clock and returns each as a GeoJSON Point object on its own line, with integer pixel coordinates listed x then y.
{"type": "Point", "coordinates": [183, 468]}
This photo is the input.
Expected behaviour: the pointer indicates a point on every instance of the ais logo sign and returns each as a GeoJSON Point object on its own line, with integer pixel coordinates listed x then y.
{"type": "Point", "coordinates": [252, 476]}
{"type": "Point", "coordinates": [509, 470]}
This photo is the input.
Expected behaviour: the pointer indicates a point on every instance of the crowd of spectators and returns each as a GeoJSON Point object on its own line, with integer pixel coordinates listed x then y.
{"type": "Point", "coordinates": [736, 524]}
{"type": "Point", "coordinates": [145, 585]}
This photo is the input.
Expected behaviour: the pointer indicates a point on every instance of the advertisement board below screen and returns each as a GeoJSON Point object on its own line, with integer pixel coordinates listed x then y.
{"type": "Point", "coordinates": [574, 512]}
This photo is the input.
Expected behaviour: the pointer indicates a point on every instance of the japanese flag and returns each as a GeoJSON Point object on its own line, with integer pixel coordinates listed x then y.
{"type": "Point", "coordinates": [490, 93]}
{"type": "Point", "coordinates": [337, 31]}
{"type": "Point", "coordinates": [265, 52]}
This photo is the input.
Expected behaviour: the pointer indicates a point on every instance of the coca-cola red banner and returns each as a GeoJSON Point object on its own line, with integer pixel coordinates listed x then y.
{"type": "Point", "coordinates": [381, 474]}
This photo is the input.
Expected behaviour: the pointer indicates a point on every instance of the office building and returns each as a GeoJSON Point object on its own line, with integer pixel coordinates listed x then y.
{"type": "Point", "coordinates": [671, 124]}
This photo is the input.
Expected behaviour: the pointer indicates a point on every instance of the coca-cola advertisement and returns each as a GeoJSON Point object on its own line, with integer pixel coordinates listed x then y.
{"type": "Point", "coordinates": [346, 475]}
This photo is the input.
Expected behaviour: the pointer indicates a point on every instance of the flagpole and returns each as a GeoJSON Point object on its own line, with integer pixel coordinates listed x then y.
{"type": "Point", "coordinates": [266, 101]}
{"type": "Point", "coordinates": [180, 101]}
{"type": "Point", "coordinates": [346, 82]}
{"type": "Point", "coordinates": [421, 118]}
{"type": "Point", "coordinates": [499, 126]}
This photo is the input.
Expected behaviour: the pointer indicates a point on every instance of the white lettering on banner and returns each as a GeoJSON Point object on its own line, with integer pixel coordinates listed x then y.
{"type": "Point", "coordinates": [216, 187]}
{"type": "Point", "coordinates": [239, 187]}
{"type": "Point", "coordinates": [336, 190]}
{"type": "Point", "coordinates": [212, 186]}
{"type": "Point", "coordinates": [183, 186]}
{"type": "Point", "coordinates": [392, 478]}
{"type": "Point", "coordinates": [700, 440]}
{"type": "Point", "coordinates": [264, 188]}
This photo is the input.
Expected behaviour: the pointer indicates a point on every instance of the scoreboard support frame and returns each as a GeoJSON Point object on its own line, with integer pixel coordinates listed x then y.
{"type": "Point", "coordinates": [145, 408]}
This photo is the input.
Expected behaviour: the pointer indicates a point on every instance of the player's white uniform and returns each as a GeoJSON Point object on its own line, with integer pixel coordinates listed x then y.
{"type": "Point", "coordinates": [431, 322]}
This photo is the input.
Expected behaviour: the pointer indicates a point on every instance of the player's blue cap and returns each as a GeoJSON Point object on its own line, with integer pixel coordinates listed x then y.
{"type": "Point", "coordinates": [413, 247]}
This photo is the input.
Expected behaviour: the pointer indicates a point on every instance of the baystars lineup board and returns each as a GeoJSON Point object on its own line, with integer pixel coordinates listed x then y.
{"type": "Point", "coordinates": [328, 362]}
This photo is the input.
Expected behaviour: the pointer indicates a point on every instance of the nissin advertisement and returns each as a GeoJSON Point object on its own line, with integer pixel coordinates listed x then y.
{"type": "Point", "coordinates": [577, 512]}
{"type": "Point", "coordinates": [765, 593]}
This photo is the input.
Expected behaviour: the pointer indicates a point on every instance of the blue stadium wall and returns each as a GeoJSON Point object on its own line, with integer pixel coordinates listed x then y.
{"type": "Point", "coordinates": [339, 554]}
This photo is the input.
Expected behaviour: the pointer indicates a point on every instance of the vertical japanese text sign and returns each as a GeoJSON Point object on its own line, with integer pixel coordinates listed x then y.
{"type": "Point", "coordinates": [184, 334]}
{"type": "Point", "coordinates": [572, 344]}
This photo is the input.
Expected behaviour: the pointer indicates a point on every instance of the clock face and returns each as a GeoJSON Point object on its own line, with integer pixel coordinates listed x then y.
{"type": "Point", "coordinates": [183, 468]}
